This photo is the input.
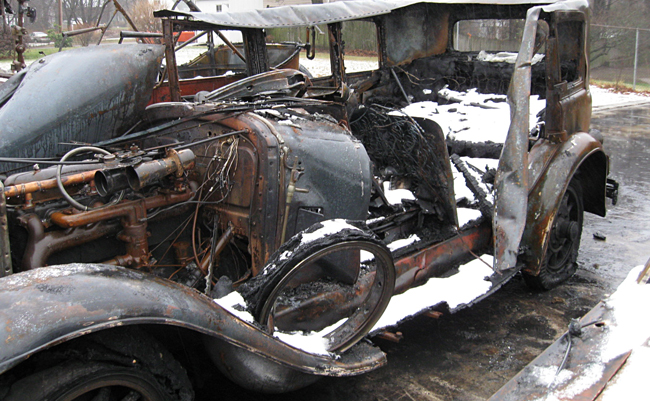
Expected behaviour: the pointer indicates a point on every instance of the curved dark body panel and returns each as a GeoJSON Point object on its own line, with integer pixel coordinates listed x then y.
{"type": "Point", "coordinates": [47, 306]}
{"type": "Point", "coordinates": [83, 95]}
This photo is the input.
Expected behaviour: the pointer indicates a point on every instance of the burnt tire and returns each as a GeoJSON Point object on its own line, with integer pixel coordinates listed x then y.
{"type": "Point", "coordinates": [88, 381]}
{"type": "Point", "coordinates": [294, 292]}
{"type": "Point", "coordinates": [560, 260]}
{"type": "Point", "coordinates": [112, 364]}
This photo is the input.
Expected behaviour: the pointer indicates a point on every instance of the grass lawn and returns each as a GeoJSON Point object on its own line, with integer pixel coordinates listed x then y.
{"type": "Point", "coordinates": [641, 87]}
{"type": "Point", "coordinates": [33, 53]}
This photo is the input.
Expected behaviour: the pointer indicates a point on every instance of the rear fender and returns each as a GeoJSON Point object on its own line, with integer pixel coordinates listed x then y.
{"type": "Point", "coordinates": [551, 168]}
{"type": "Point", "coordinates": [48, 306]}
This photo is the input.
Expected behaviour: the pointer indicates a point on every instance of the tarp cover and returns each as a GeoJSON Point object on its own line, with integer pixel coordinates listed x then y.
{"type": "Point", "coordinates": [317, 14]}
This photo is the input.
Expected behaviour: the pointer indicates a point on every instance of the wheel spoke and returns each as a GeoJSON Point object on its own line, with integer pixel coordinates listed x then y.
{"type": "Point", "coordinates": [104, 394]}
{"type": "Point", "coordinates": [132, 396]}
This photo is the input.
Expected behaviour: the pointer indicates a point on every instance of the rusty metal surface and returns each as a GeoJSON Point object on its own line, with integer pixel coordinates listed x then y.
{"type": "Point", "coordinates": [36, 312]}
{"type": "Point", "coordinates": [415, 269]}
{"type": "Point", "coordinates": [41, 244]}
{"type": "Point", "coordinates": [148, 173]}
{"type": "Point", "coordinates": [423, 31]}
{"type": "Point", "coordinates": [134, 230]}
{"type": "Point", "coordinates": [546, 191]}
{"type": "Point", "coordinates": [512, 211]}
{"type": "Point", "coordinates": [91, 83]}
{"type": "Point", "coordinates": [511, 199]}
{"type": "Point", "coordinates": [171, 66]}
{"type": "Point", "coordinates": [37, 186]}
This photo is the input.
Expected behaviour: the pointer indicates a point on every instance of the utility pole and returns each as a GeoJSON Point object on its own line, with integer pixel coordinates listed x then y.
{"type": "Point", "coordinates": [636, 59]}
{"type": "Point", "coordinates": [60, 16]}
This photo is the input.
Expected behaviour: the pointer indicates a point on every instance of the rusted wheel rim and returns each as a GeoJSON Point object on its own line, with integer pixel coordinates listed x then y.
{"type": "Point", "coordinates": [565, 234]}
{"type": "Point", "coordinates": [373, 289]}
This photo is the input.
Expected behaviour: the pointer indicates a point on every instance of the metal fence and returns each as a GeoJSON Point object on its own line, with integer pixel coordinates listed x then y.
{"type": "Point", "coordinates": [620, 56]}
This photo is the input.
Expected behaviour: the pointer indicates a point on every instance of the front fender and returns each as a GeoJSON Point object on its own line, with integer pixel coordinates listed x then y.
{"type": "Point", "coordinates": [551, 168]}
{"type": "Point", "coordinates": [47, 306]}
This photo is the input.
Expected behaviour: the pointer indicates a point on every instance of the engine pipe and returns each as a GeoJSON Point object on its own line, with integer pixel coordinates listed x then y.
{"type": "Point", "coordinates": [110, 181]}
{"type": "Point", "coordinates": [176, 162]}
{"type": "Point", "coordinates": [133, 219]}
{"type": "Point", "coordinates": [36, 186]}
{"type": "Point", "coordinates": [41, 244]}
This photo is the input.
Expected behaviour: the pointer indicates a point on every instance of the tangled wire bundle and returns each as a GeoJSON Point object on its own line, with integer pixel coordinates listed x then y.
{"type": "Point", "coordinates": [397, 142]}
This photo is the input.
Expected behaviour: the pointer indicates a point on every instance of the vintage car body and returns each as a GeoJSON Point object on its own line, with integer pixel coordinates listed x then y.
{"type": "Point", "coordinates": [277, 186]}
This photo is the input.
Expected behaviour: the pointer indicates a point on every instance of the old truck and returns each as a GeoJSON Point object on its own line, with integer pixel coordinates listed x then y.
{"type": "Point", "coordinates": [273, 221]}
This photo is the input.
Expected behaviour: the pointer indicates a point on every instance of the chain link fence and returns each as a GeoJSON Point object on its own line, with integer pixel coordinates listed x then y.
{"type": "Point", "coordinates": [620, 56]}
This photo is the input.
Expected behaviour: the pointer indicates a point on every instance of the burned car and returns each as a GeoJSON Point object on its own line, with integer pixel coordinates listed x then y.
{"type": "Point", "coordinates": [274, 221]}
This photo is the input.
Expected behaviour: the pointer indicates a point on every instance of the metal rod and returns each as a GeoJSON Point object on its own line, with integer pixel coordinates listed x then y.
{"type": "Point", "coordinates": [191, 40]}
{"type": "Point", "coordinates": [636, 59]}
{"type": "Point", "coordinates": [107, 25]}
{"type": "Point", "coordinates": [101, 13]}
{"type": "Point", "coordinates": [138, 34]}
{"type": "Point", "coordinates": [37, 186]}
{"type": "Point", "coordinates": [125, 14]}
{"type": "Point", "coordinates": [83, 30]}
{"type": "Point", "coordinates": [230, 45]}
{"type": "Point", "coordinates": [401, 88]}
{"type": "Point", "coordinates": [170, 55]}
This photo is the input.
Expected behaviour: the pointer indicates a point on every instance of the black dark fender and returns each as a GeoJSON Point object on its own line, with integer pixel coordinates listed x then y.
{"type": "Point", "coordinates": [47, 306]}
{"type": "Point", "coordinates": [550, 170]}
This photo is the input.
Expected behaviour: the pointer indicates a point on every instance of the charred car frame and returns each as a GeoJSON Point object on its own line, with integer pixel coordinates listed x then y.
{"type": "Point", "coordinates": [272, 188]}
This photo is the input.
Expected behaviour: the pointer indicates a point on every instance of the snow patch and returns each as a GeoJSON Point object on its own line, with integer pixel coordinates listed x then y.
{"type": "Point", "coordinates": [233, 302]}
{"type": "Point", "coordinates": [630, 380]}
{"type": "Point", "coordinates": [631, 329]}
{"type": "Point", "coordinates": [476, 117]}
{"type": "Point", "coordinates": [603, 98]}
{"type": "Point", "coordinates": [462, 288]}
{"type": "Point", "coordinates": [329, 227]}
{"type": "Point", "coordinates": [396, 196]}
{"type": "Point", "coordinates": [313, 342]}
{"type": "Point", "coordinates": [402, 243]}
{"type": "Point", "coordinates": [627, 330]}
{"type": "Point", "coordinates": [548, 375]}
{"type": "Point", "coordinates": [466, 215]}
